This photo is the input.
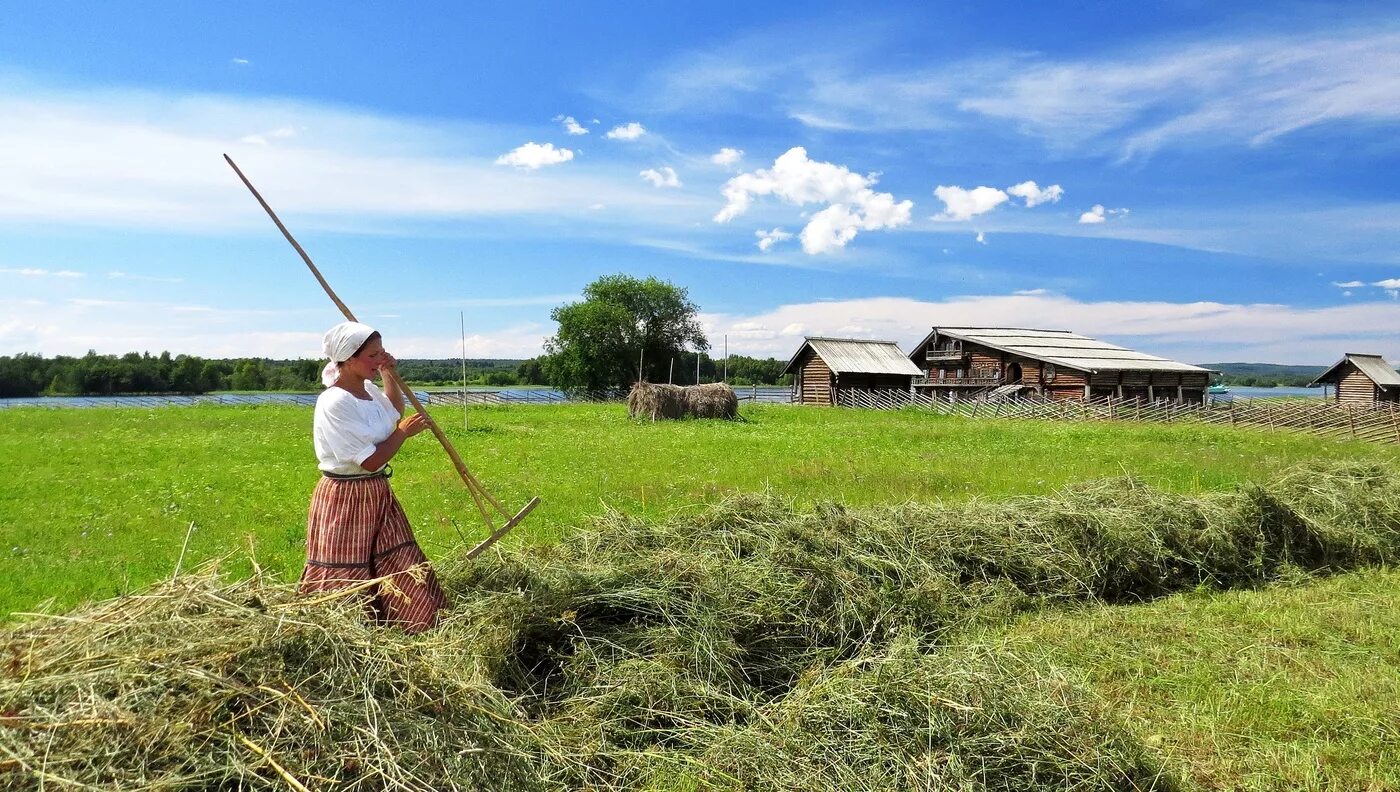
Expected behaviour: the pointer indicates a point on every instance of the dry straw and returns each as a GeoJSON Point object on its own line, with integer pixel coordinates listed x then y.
{"type": "Point", "coordinates": [754, 645]}
{"type": "Point", "coordinates": [671, 402]}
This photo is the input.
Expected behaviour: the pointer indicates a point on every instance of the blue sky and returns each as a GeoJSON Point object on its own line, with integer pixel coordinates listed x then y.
{"type": "Point", "coordinates": [1205, 181]}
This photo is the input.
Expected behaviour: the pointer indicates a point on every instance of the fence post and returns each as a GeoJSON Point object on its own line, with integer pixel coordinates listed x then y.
{"type": "Point", "coordinates": [1351, 421]}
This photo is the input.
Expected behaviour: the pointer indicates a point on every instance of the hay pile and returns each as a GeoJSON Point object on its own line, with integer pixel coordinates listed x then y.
{"type": "Point", "coordinates": [672, 402]}
{"type": "Point", "coordinates": [655, 401]}
{"type": "Point", "coordinates": [715, 400]}
{"type": "Point", "coordinates": [752, 646]}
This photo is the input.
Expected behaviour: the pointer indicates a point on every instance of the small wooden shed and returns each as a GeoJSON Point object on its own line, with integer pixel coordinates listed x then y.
{"type": "Point", "coordinates": [1362, 379]}
{"type": "Point", "coordinates": [823, 367]}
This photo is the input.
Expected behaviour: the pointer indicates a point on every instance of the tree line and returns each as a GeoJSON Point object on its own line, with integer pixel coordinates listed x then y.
{"type": "Point", "coordinates": [623, 330]}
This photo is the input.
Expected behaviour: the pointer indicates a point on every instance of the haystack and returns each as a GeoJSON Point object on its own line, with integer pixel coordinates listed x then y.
{"type": "Point", "coordinates": [716, 400]}
{"type": "Point", "coordinates": [655, 401]}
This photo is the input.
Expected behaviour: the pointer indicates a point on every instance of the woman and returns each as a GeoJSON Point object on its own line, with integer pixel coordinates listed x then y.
{"type": "Point", "coordinates": [356, 530]}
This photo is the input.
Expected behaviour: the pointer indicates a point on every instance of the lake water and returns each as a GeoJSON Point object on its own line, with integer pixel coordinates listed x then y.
{"type": "Point", "coordinates": [1245, 392]}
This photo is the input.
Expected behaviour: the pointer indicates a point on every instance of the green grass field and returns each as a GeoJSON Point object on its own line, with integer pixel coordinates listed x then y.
{"type": "Point", "coordinates": [103, 499]}
{"type": "Point", "coordinates": [1287, 687]}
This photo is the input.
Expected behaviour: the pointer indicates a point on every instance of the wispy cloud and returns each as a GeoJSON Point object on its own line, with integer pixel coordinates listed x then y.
{"type": "Point", "coordinates": [150, 278]}
{"type": "Point", "coordinates": [662, 177]}
{"type": "Point", "coordinates": [239, 61]}
{"type": "Point", "coordinates": [1241, 90]}
{"type": "Point", "coordinates": [572, 126]}
{"type": "Point", "coordinates": [851, 203]}
{"type": "Point", "coordinates": [151, 160]}
{"type": "Point", "coordinates": [766, 239]}
{"type": "Point", "coordinates": [40, 272]}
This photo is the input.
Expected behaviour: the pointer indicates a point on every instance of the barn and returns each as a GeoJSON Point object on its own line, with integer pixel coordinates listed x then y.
{"type": "Point", "coordinates": [823, 367]}
{"type": "Point", "coordinates": [1362, 379]}
{"type": "Point", "coordinates": [973, 362]}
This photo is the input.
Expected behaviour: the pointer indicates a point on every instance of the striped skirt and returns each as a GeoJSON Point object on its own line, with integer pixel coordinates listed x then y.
{"type": "Point", "coordinates": [357, 531]}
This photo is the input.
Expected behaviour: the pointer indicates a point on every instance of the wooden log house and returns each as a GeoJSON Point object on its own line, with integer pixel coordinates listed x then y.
{"type": "Point", "coordinates": [1362, 379]}
{"type": "Point", "coordinates": [823, 367]}
{"type": "Point", "coordinates": [971, 362]}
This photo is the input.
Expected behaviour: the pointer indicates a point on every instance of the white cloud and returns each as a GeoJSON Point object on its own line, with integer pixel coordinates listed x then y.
{"type": "Point", "coordinates": [239, 61]}
{"type": "Point", "coordinates": [571, 126]}
{"type": "Point", "coordinates": [1190, 332]}
{"type": "Point", "coordinates": [981, 238]}
{"type": "Point", "coordinates": [1098, 214]}
{"type": "Point", "coordinates": [1033, 195]}
{"type": "Point", "coordinates": [664, 177]}
{"type": "Point", "coordinates": [965, 204]}
{"type": "Point", "coordinates": [533, 156]}
{"type": "Point", "coordinates": [766, 239]}
{"type": "Point", "coordinates": [629, 131]}
{"type": "Point", "coordinates": [1388, 283]}
{"type": "Point", "coordinates": [1355, 284]}
{"type": "Point", "coordinates": [73, 326]}
{"type": "Point", "coordinates": [40, 272]}
{"type": "Point", "coordinates": [143, 160]}
{"type": "Point", "coordinates": [726, 156]}
{"type": "Point", "coordinates": [852, 205]}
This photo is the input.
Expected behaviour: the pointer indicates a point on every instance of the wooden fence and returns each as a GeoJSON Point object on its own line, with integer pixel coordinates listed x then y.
{"type": "Point", "coordinates": [1376, 423]}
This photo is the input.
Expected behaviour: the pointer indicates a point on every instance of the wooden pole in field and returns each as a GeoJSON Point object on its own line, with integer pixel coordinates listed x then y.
{"type": "Point", "coordinates": [479, 494]}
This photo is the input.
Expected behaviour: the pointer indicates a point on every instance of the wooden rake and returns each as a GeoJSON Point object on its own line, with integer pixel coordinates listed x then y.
{"type": "Point", "coordinates": [485, 502]}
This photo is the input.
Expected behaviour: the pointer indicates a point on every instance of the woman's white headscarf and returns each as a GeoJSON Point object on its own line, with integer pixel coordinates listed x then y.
{"type": "Point", "coordinates": [338, 344]}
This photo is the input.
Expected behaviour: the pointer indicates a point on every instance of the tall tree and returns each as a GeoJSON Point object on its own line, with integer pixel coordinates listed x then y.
{"type": "Point", "coordinates": [622, 321]}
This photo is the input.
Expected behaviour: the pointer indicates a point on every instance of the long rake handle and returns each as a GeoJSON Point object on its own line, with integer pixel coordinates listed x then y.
{"type": "Point", "coordinates": [474, 487]}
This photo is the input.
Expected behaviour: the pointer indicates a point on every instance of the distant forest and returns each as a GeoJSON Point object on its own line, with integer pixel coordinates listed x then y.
{"type": "Point", "coordinates": [94, 374]}
{"type": "Point", "coordinates": [1265, 375]}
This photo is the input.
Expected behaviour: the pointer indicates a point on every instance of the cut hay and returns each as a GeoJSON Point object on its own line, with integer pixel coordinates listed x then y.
{"type": "Point", "coordinates": [673, 402]}
{"type": "Point", "coordinates": [656, 401]}
{"type": "Point", "coordinates": [715, 400]}
{"type": "Point", "coordinates": [754, 645]}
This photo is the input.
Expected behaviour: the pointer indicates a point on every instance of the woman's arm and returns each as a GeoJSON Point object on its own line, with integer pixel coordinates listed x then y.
{"type": "Point", "coordinates": [389, 446]}
{"type": "Point", "coordinates": [391, 384]}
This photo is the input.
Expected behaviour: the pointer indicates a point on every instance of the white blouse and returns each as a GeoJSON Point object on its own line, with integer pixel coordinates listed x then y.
{"type": "Point", "coordinates": [346, 430]}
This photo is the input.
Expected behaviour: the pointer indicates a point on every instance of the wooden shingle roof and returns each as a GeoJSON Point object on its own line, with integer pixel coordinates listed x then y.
{"type": "Point", "coordinates": [1063, 348]}
{"type": "Point", "coordinates": [858, 356]}
{"type": "Point", "coordinates": [1373, 366]}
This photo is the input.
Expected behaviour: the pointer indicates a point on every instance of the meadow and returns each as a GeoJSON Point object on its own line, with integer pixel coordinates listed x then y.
{"type": "Point", "coordinates": [1102, 651]}
{"type": "Point", "coordinates": [105, 498]}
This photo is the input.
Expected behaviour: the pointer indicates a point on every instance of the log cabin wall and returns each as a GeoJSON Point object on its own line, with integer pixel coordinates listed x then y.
{"type": "Point", "coordinates": [815, 377]}
{"type": "Point", "coordinates": [1054, 381]}
{"type": "Point", "coordinates": [1355, 387]}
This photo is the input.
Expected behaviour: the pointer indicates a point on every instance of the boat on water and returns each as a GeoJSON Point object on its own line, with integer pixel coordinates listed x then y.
{"type": "Point", "coordinates": [1217, 389]}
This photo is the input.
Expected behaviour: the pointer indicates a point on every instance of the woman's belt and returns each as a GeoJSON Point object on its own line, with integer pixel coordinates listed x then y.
{"type": "Point", "coordinates": [384, 472]}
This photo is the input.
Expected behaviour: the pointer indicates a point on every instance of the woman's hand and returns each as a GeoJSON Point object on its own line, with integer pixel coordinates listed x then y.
{"type": "Point", "coordinates": [411, 425]}
{"type": "Point", "coordinates": [388, 362]}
